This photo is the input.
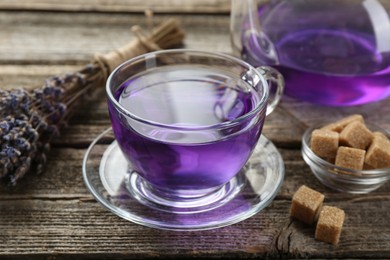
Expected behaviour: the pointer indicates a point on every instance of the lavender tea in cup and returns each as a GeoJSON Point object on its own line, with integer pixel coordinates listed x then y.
{"type": "Point", "coordinates": [187, 123]}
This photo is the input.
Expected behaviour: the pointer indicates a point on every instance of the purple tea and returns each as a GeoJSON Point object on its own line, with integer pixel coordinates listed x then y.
{"type": "Point", "coordinates": [329, 52]}
{"type": "Point", "coordinates": [170, 156]}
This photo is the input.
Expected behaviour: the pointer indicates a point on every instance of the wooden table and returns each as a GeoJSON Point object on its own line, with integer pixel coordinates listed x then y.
{"type": "Point", "coordinates": [53, 215]}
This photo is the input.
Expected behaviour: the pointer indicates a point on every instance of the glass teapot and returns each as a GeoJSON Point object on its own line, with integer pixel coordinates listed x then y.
{"type": "Point", "coordinates": [331, 52]}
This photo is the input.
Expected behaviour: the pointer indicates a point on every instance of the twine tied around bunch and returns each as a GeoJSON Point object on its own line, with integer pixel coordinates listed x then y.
{"type": "Point", "coordinates": [166, 35]}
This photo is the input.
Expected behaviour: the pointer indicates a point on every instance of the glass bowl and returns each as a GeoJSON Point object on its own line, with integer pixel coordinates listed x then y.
{"type": "Point", "coordinates": [340, 178]}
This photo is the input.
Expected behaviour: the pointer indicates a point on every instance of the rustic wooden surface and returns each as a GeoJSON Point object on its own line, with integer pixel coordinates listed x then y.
{"type": "Point", "coordinates": [52, 215]}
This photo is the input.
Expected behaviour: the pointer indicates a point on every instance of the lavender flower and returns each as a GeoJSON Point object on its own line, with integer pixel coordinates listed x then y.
{"type": "Point", "coordinates": [30, 119]}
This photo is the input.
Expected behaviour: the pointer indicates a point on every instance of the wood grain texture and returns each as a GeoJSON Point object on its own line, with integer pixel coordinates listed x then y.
{"type": "Point", "coordinates": [53, 215]}
{"type": "Point", "coordinates": [69, 39]}
{"type": "Point", "coordinates": [120, 6]}
{"type": "Point", "coordinates": [74, 227]}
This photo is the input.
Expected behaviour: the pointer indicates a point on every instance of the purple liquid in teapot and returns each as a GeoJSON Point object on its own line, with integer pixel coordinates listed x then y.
{"type": "Point", "coordinates": [185, 160]}
{"type": "Point", "coordinates": [328, 51]}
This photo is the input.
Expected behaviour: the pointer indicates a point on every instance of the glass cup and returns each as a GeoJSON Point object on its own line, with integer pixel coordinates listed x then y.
{"type": "Point", "coordinates": [187, 122]}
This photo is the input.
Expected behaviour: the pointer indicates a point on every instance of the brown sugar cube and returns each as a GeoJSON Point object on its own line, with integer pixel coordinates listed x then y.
{"type": "Point", "coordinates": [356, 135]}
{"type": "Point", "coordinates": [339, 125]}
{"type": "Point", "coordinates": [305, 204]}
{"type": "Point", "coordinates": [324, 143]}
{"type": "Point", "coordinates": [330, 224]}
{"type": "Point", "coordinates": [378, 154]}
{"type": "Point", "coordinates": [349, 157]}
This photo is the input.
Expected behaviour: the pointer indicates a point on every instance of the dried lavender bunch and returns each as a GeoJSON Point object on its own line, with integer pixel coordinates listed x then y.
{"type": "Point", "coordinates": [30, 119]}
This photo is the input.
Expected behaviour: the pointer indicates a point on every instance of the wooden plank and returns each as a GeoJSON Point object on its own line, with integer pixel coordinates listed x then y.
{"type": "Point", "coordinates": [62, 178]}
{"type": "Point", "coordinates": [120, 6]}
{"type": "Point", "coordinates": [77, 37]}
{"type": "Point", "coordinates": [76, 228]}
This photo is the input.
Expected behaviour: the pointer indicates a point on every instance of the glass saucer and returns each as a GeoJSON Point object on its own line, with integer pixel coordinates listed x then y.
{"type": "Point", "coordinates": [107, 174]}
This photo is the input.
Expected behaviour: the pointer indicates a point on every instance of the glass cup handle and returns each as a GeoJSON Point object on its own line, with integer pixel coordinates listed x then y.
{"type": "Point", "coordinates": [275, 82]}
